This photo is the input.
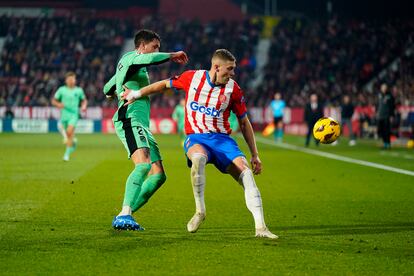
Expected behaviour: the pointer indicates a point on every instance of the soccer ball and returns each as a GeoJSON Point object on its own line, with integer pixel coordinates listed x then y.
{"type": "Point", "coordinates": [326, 130]}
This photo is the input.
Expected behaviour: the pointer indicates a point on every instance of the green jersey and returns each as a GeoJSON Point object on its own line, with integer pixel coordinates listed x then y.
{"type": "Point", "coordinates": [71, 99]}
{"type": "Point", "coordinates": [234, 122]}
{"type": "Point", "coordinates": [178, 116]}
{"type": "Point", "coordinates": [132, 72]}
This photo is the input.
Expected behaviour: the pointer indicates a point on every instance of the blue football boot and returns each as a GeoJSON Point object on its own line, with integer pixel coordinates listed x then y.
{"type": "Point", "coordinates": [126, 223]}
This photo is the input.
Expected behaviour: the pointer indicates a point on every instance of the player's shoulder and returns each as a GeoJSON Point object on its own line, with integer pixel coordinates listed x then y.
{"type": "Point", "coordinates": [128, 56]}
{"type": "Point", "coordinates": [235, 86]}
{"type": "Point", "coordinates": [188, 74]}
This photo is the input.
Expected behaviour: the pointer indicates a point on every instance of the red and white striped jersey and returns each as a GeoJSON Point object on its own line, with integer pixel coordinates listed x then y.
{"type": "Point", "coordinates": [208, 106]}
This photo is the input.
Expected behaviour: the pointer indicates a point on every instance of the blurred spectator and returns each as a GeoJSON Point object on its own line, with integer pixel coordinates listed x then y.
{"type": "Point", "coordinates": [347, 111]}
{"type": "Point", "coordinates": [313, 112]}
{"type": "Point", "coordinates": [385, 115]}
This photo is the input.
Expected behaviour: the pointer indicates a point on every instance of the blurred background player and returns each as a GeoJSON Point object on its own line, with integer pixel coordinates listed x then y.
{"type": "Point", "coordinates": [67, 99]}
{"type": "Point", "coordinates": [234, 124]}
{"type": "Point", "coordinates": [313, 112]}
{"type": "Point", "coordinates": [132, 124]}
{"type": "Point", "coordinates": [385, 113]}
{"type": "Point", "coordinates": [277, 105]}
{"type": "Point", "coordinates": [347, 111]}
{"type": "Point", "coordinates": [178, 117]}
{"type": "Point", "coordinates": [210, 96]}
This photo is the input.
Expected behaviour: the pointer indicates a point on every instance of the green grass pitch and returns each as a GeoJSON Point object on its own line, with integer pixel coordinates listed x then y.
{"type": "Point", "coordinates": [332, 217]}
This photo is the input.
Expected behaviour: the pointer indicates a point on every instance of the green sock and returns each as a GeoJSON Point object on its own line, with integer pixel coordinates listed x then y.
{"type": "Point", "coordinates": [68, 151]}
{"type": "Point", "coordinates": [150, 185]}
{"type": "Point", "coordinates": [134, 183]}
{"type": "Point", "coordinates": [71, 149]}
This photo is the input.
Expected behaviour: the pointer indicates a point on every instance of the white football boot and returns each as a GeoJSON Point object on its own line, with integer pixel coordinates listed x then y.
{"type": "Point", "coordinates": [265, 233]}
{"type": "Point", "coordinates": [195, 222]}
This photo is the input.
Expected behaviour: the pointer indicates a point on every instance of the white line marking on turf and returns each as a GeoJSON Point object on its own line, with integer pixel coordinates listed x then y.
{"type": "Point", "coordinates": [335, 156]}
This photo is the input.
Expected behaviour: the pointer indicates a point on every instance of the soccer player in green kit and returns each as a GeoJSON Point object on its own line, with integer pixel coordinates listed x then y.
{"type": "Point", "coordinates": [178, 116]}
{"type": "Point", "coordinates": [132, 124]}
{"type": "Point", "coordinates": [67, 99]}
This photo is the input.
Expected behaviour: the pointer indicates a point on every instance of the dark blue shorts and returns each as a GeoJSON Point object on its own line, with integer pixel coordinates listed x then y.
{"type": "Point", "coordinates": [221, 148]}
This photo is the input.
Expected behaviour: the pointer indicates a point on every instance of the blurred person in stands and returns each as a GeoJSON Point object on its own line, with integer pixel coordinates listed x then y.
{"type": "Point", "coordinates": [347, 111]}
{"type": "Point", "coordinates": [313, 112]}
{"type": "Point", "coordinates": [385, 115]}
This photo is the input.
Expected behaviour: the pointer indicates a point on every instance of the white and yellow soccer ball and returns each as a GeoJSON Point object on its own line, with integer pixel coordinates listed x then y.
{"type": "Point", "coordinates": [326, 130]}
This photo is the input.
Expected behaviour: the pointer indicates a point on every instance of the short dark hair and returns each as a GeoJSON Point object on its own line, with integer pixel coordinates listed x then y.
{"type": "Point", "coordinates": [224, 54]}
{"type": "Point", "coordinates": [70, 74]}
{"type": "Point", "coordinates": [145, 36]}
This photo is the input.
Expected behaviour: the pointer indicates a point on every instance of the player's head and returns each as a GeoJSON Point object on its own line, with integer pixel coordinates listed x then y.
{"type": "Point", "coordinates": [70, 79]}
{"type": "Point", "coordinates": [147, 41]}
{"type": "Point", "coordinates": [278, 96]}
{"type": "Point", "coordinates": [182, 102]}
{"type": "Point", "coordinates": [314, 98]}
{"type": "Point", "coordinates": [223, 64]}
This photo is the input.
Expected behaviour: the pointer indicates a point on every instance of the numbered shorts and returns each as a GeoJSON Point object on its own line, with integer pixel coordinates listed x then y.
{"type": "Point", "coordinates": [69, 120]}
{"type": "Point", "coordinates": [221, 148]}
{"type": "Point", "coordinates": [136, 137]}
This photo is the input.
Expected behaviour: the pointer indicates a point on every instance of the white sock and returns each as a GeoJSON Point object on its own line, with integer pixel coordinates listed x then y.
{"type": "Point", "coordinates": [198, 180]}
{"type": "Point", "coordinates": [126, 210]}
{"type": "Point", "coordinates": [252, 197]}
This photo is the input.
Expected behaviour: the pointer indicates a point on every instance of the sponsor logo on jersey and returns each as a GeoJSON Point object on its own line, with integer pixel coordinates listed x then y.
{"type": "Point", "coordinates": [208, 111]}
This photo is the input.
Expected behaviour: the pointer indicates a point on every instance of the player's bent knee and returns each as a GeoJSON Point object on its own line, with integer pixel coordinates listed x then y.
{"type": "Point", "coordinates": [198, 160]}
{"type": "Point", "coordinates": [160, 179]}
{"type": "Point", "coordinates": [142, 168]}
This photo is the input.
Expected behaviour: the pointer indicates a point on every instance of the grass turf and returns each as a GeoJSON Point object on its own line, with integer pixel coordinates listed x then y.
{"type": "Point", "coordinates": [332, 217]}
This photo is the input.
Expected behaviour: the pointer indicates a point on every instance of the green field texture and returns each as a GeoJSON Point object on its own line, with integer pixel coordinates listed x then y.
{"type": "Point", "coordinates": [332, 217]}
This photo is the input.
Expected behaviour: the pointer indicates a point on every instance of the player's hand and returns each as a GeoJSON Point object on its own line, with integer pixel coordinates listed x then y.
{"type": "Point", "coordinates": [60, 106]}
{"type": "Point", "coordinates": [125, 94]}
{"type": "Point", "coordinates": [111, 97]}
{"type": "Point", "coordinates": [179, 57]}
{"type": "Point", "coordinates": [256, 164]}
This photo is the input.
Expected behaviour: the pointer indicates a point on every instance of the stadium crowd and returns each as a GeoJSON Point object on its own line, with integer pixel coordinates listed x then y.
{"type": "Point", "coordinates": [333, 58]}
{"type": "Point", "coordinates": [329, 58]}
{"type": "Point", "coordinates": [39, 51]}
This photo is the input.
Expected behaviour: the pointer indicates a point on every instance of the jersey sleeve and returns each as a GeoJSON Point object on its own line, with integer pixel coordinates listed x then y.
{"type": "Point", "coordinates": [151, 59]}
{"type": "Point", "coordinates": [238, 105]}
{"type": "Point", "coordinates": [183, 81]}
{"type": "Point", "coordinates": [58, 94]}
{"type": "Point", "coordinates": [110, 86]}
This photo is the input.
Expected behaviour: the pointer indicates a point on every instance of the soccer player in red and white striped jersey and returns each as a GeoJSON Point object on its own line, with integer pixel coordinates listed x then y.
{"type": "Point", "coordinates": [210, 96]}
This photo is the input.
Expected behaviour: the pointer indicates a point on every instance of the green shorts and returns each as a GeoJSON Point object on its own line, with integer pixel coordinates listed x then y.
{"type": "Point", "coordinates": [71, 120]}
{"type": "Point", "coordinates": [135, 137]}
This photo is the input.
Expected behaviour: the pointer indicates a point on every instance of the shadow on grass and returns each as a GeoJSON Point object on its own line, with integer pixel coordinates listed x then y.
{"type": "Point", "coordinates": [324, 230]}
{"type": "Point", "coordinates": [108, 240]}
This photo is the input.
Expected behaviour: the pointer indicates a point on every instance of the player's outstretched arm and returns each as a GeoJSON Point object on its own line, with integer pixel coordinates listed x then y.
{"type": "Point", "coordinates": [157, 87]}
{"type": "Point", "coordinates": [160, 57]}
{"type": "Point", "coordinates": [248, 134]}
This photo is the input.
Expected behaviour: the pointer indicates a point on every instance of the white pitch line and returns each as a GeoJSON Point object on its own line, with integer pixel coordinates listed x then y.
{"type": "Point", "coordinates": [335, 156]}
